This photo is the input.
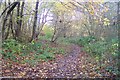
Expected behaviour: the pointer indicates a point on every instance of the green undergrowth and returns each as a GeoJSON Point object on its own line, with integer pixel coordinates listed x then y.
{"type": "Point", "coordinates": [101, 50]}
{"type": "Point", "coordinates": [48, 31]}
{"type": "Point", "coordinates": [67, 40]}
{"type": "Point", "coordinates": [28, 53]}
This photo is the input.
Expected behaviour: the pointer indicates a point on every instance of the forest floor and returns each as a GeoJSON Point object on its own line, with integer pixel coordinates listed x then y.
{"type": "Point", "coordinates": [75, 64]}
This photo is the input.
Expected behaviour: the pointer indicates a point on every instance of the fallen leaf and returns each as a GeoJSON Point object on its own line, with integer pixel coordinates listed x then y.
{"type": "Point", "coordinates": [7, 71]}
{"type": "Point", "coordinates": [92, 74]}
{"type": "Point", "coordinates": [22, 74]}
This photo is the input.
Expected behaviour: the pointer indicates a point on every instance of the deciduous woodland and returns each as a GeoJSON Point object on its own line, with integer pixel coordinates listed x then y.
{"type": "Point", "coordinates": [60, 39]}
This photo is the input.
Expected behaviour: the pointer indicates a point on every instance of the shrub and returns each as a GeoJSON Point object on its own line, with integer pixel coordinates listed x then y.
{"type": "Point", "coordinates": [12, 45]}
{"type": "Point", "coordinates": [96, 49]}
{"type": "Point", "coordinates": [86, 40]}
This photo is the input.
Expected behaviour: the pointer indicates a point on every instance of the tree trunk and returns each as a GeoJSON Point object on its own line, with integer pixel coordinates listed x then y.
{"type": "Point", "coordinates": [11, 7]}
{"type": "Point", "coordinates": [10, 22]}
{"type": "Point", "coordinates": [52, 39]}
{"type": "Point", "coordinates": [18, 22]}
{"type": "Point", "coordinates": [19, 19]}
{"type": "Point", "coordinates": [118, 22]}
{"type": "Point", "coordinates": [35, 21]}
{"type": "Point", "coordinates": [11, 26]}
{"type": "Point", "coordinates": [21, 14]}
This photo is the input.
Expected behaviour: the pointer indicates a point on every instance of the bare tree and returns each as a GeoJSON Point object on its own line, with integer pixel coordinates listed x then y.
{"type": "Point", "coordinates": [19, 19]}
{"type": "Point", "coordinates": [9, 9]}
{"type": "Point", "coordinates": [10, 24]}
{"type": "Point", "coordinates": [35, 21]}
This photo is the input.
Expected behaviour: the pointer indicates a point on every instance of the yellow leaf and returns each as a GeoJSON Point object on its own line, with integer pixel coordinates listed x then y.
{"type": "Point", "coordinates": [92, 12]}
{"type": "Point", "coordinates": [22, 74]}
{"type": "Point", "coordinates": [96, 21]}
{"type": "Point", "coordinates": [106, 21]}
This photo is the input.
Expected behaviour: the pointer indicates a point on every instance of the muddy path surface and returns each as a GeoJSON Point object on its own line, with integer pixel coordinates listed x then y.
{"type": "Point", "coordinates": [67, 66]}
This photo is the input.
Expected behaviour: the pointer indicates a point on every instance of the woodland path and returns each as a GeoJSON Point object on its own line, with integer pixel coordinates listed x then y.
{"type": "Point", "coordinates": [67, 66]}
{"type": "Point", "coordinates": [64, 67]}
